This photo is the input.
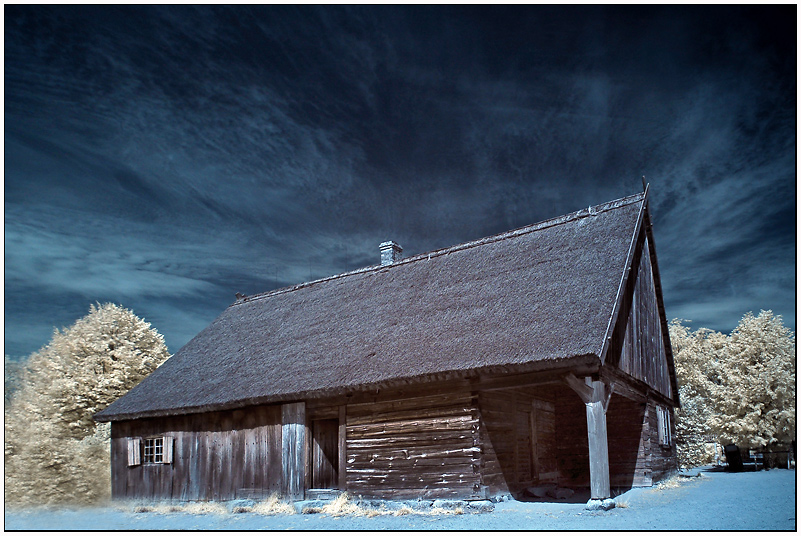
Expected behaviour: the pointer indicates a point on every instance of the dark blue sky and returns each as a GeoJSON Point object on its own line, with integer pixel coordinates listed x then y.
{"type": "Point", "coordinates": [164, 158]}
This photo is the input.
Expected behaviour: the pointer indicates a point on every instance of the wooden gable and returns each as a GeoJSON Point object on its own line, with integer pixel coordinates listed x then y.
{"type": "Point", "coordinates": [640, 344]}
{"type": "Point", "coordinates": [643, 350]}
{"type": "Point", "coordinates": [642, 353]}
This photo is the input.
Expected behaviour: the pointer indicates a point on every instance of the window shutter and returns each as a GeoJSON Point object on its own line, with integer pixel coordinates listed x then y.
{"type": "Point", "coordinates": [167, 449]}
{"type": "Point", "coordinates": [133, 451]}
{"type": "Point", "coordinates": [668, 438]}
{"type": "Point", "coordinates": [660, 424]}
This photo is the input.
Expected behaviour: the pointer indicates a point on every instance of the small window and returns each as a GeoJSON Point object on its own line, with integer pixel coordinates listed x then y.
{"type": "Point", "coordinates": [151, 450]}
{"type": "Point", "coordinates": [154, 450]}
{"type": "Point", "coordinates": [663, 424]}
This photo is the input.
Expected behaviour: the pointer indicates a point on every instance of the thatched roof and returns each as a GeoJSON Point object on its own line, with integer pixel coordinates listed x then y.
{"type": "Point", "coordinates": [541, 293]}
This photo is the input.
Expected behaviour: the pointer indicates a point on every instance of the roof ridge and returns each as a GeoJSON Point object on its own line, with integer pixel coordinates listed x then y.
{"type": "Point", "coordinates": [538, 226]}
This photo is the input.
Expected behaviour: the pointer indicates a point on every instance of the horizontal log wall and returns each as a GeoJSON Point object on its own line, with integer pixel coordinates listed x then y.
{"type": "Point", "coordinates": [218, 455]}
{"type": "Point", "coordinates": [410, 445]}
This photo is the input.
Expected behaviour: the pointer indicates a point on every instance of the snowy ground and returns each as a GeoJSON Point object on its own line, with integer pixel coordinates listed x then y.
{"type": "Point", "coordinates": [764, 500]}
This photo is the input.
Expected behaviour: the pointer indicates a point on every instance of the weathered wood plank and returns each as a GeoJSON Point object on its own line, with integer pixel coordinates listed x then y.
{"type": "Point", "coordinates": [369, 460]}
{"type": "Point", "coordinates": [380, 429]}
{"type": "Point", "coordinates": [438, 492]}
{"type": "Point", "coordinates": [342, 446]}
{"type": "Point", "coordinates": [451, 438]}
{"type": "Point", "coordinates": [408, 414]}
{"type": "Point", "coordinates": [421, 472]}
{"type": "Point", "coordinates": [417, 402]}
{"type": "Point", "coordinates": [412, 453]}
{"type": "Point", "coordinates": [293, 449]}
{"type": "Point", "coordinates": [434, 417]}
{"type": "Point", "coordinates": [404, 394]}
{"type": "Point", "coordinates": [274, 438]}
{"type": "Point", "coordinates": [597, 437]}
{"type": "Point", "coordinates": [395, 480]}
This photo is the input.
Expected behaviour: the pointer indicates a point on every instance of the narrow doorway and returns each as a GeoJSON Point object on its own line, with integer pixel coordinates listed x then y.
{"type": "Point", "coordinates": [542, 424]}
{"type": "Point", "coordinates": [325, 455]}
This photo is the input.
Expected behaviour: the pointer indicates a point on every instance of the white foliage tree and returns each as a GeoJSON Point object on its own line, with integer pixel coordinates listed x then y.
{"type": "Point", "coordinates": [54, 451]}
{"type": "Point", "coordinates": [753, 405]}
{"type": "Point", "coordinates": [693, 357]}
{"type": "Point", "coordinates": [737, 389]}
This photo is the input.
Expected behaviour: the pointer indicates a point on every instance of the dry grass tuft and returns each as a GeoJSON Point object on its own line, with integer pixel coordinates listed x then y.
{"type": "Point", "coordinates": [342, 506]}
{"type": "Point", "coordinates": [273, 506]}
{"type": "Point", "coordinates": [156, 508]}
{"type": "Point", "coordinates": [203, 508]}
{"type": "Point", "coordinates": [197, 508]}
{"type": "Point", "coordinates": [442, 511]}
{"type": "Point", "coordinates": [621, 504]}
{"type": "Point", "coordinates": [670, 483]}
{"type": "Point", "coordinates": [405, 510]}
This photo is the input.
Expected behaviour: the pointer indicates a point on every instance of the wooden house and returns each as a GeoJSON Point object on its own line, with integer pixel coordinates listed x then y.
{"type": "Point", "coordinates": [540, 355]}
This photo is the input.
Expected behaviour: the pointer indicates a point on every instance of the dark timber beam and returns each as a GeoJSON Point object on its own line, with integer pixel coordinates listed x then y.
{"type": "Point", "coordinates": [580, 387]}
{"type": "Point", "coordinates": [531, 379]}
{"type": "Point", "coordinates": [632, 388]}
{"type": "Point", "coordinates": [595, 398]}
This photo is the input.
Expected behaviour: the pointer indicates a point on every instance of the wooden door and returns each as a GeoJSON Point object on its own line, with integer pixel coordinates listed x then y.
{"type": "Point", "coordinates": [325, 462]}
{"type": "Point", "coordinates": [543, 441]}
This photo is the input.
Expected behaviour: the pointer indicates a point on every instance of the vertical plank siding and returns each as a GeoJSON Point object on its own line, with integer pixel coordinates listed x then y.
{"type": "Point", "coordinates": [629, 443]}
{"type": "Point", "coordinates": [663, 459]}
{"type": "Point", "coordinates": [219, 455]}
{"type": "Point", "coordinates": [642, 348]}
{"type": "Point", "coordinates": [293, 449]}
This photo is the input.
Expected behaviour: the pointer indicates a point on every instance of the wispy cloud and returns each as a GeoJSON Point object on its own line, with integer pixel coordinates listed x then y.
{"type": "Point", "coordinates": [159, 155]}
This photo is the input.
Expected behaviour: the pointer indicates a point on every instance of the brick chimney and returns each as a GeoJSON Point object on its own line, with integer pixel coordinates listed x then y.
{"type": "Point", "coordinates": [390, 252]}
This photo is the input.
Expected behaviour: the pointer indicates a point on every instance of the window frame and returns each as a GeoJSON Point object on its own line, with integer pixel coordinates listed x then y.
{"type": "Point", "coordinates": [153, 450]}
{"type": "Point", "coordinates": [150, 450]}
{"type": "Point", "coordinates": [664, 426]}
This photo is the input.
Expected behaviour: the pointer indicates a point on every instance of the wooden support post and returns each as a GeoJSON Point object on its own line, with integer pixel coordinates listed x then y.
{"type": "Point", "coordinates": [596, 400]}
{"type": "Point", "coordinates": [599, 448]}
{"type": "Point", "coordinates": [293, 450]}
{"type": "Point", "coordinates": [342, 449]}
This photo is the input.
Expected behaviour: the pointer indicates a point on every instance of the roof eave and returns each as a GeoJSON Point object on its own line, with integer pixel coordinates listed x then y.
{"type": "Point", "coordinates": [587, 363]}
